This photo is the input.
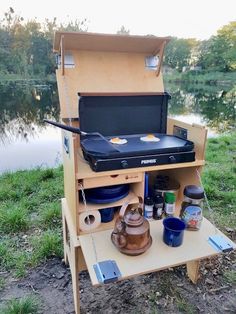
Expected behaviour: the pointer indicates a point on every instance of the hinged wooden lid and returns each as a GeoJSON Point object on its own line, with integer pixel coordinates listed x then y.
{"type": "Point", "coordinates": [109, 42]}
{"type": "Point", "coordinates": [102, 63]}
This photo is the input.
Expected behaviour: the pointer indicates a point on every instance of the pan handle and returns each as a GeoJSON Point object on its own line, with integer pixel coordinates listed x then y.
{"type": "Point", "coordinates": [65, 127]}
{"type": "Point", "coordinates": [78, 131]}
{"type": "Point", "coordinates": [73, 129]}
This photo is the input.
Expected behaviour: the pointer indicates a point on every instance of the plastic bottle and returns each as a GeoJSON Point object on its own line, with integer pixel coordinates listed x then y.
{"type": "Point", "coordinates": [148, 207]}
{"type": "Point", "coordinates": [158, 207]}
{"type": "Point", "coordinates": [169, 204]}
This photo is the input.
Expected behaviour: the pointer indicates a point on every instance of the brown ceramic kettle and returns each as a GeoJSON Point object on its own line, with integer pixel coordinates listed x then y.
{"type": "Point", "coordinates": [131, 234]}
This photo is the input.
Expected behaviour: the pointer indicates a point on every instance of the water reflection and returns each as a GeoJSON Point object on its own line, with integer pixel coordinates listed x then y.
{"type": "Point", "coordinates": [23, 106]}
{"type": "Point", "coordinates": [25, 141]}
{"type": "Point", "coordinates": [216, 106]}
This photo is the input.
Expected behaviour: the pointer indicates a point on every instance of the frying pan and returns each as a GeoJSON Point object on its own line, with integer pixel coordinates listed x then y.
{"type": "Point", "coordinates": [95, 145]}
{"type": "Point", "coordinates": [108, 147]}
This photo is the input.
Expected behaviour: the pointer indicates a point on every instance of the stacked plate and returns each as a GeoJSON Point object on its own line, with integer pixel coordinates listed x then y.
{"type": "Point", "coordinates": [107, 194]}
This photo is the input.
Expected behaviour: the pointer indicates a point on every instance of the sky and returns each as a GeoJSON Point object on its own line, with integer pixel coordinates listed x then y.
{"type": "Point", "coordinates": [181, 18]}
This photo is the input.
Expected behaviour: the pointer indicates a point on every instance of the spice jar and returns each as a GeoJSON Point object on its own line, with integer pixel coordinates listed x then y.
{"type": "Point", "coordinates": [191, 207]}
{"type": "Point", "coordinates": [170, 204]}
{"type": "Point", "coordinates": [148, 207]}
{"type": "Point", "coordinates": [158, 207]}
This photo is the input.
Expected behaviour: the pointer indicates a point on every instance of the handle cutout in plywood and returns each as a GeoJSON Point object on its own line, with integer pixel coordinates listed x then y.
{"type": "Point", "coordinates": [66, 144]}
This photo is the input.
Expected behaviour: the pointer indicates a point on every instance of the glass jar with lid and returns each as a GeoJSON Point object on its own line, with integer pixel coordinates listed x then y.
{"type": "Point", "coordinates": [191, 207]}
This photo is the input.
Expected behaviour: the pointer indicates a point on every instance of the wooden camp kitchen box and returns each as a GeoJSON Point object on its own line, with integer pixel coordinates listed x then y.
{"type": "Point", "coordinates": [99, 65]}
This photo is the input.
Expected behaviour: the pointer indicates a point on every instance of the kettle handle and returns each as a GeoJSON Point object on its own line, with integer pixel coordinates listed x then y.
{"type": "Point", "coordinates": [126, 204]}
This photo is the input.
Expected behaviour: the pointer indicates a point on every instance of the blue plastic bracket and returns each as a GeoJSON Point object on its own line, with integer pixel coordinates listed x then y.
{"type": "Point", "coordinates": [107, 271]}
{"type": "Point", "coordinates": [220, 244]}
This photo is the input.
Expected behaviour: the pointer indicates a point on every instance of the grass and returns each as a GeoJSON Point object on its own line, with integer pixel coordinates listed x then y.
{"type": "Point", "coordinates": [26, 305]}
{"type": "Point", "coordinates": [13, 218]}
{"type": "Point", "coordinates": [183, 305]}
{"type": "Point", "coordinates": [167, 289]}
{"type": "Point", "coordinates": [2, 283]}
{"type": "Point", "coordinates": [49, 244]}
{"type": "Point", "coordinates": [219, 179]}
{"type": "Point", "coordinates": [50, 216]}
{"type": "Point", "coordinates": [30, 218]}
{"type": "Point", "coordinates": [230, 276]}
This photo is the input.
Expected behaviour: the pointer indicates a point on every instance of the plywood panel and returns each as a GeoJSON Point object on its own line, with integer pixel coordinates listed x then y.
{"type": "Point", "coordinates": [104, 72]}
{"type": "Point", "coordinates": [70, 170]}
{"type": "Point", "coordinates": [196, 133]}
{"type": "Point", "coordinates": [69, 221]}
{"type": "Point", "coordinates": [112, 180]}
{"type": "Point", "coordinates": [109, 42]}
{"type": "Point", "coordinates": [159, 256]}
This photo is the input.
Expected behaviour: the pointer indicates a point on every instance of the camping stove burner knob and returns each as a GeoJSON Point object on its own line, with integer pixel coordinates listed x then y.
{"type": "Point", "coordinates": [124, 164]}
{"type": "Point", "coordinates": [172, 159]}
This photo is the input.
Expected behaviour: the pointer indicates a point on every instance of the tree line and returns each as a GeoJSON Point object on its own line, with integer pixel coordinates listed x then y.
{"type": "Point", "coordinates": [218, 53]}
{"type": "Point", "coordinates": [26, 47]}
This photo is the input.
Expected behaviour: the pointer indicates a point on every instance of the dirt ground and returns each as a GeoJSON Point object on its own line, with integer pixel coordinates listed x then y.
{"type": "Point", "coordinates": [168, 291]}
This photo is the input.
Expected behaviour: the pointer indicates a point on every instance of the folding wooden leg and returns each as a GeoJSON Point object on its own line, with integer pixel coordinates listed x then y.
{"type": "Point", "coordinates": [193, 270]}
{"type": "Point", "coordinates": [74, 276]}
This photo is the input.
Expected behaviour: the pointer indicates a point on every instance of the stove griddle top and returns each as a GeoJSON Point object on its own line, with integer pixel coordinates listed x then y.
{"type": "Point", "coordinates": [98, 147]}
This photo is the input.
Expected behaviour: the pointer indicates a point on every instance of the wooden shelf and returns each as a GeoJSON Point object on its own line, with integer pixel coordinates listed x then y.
{"type": "Point", "coordinates": [131, 196]}
{"type": "Point", "coordinates": [86, 172]}
{"type": "Point", "coordinates": [160, 256]}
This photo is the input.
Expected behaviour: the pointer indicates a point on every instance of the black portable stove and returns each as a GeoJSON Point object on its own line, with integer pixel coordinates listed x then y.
{"type": "Point", "coordinates": [109, 118]}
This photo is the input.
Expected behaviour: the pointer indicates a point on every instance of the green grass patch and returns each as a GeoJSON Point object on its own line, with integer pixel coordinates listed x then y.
{"type": "Point", "coordinates": [185, 307]}
{"type": "Point", "coordinates": [13, 257]}
{"type": "Point", "coordinates": [167, 288]}
{"type": "Point", "coordinates": [230, 276]}
{"type": "Point", "coordinates": [30, 218]}
{"type": "Point", "coordinates": [2, 283]}
{"type": "Point", "coordinates": [50, 216]}
{"type": "Point", "coordinates": [49, 244]}
{"type": "Point", "coordinates": [219, 179]}
{"type": "Point", "coordinates": [26, 305]}
{"type": "Point", "coordinates": [13, 218]}
{"type": "Point", "coordinates": [18, 254]}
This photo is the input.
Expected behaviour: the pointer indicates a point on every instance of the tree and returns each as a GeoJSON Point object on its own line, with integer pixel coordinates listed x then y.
{"type": "Point", "coordinates": [26, 47]}
{"type": "Point", "coordinates": [123, 31]}
{"type": "Point", "coordinates": [219, 52]}
{"type": "Point", "coordinates": [75, 26]}
{"type": "Point", "coordinates": [178, 53]}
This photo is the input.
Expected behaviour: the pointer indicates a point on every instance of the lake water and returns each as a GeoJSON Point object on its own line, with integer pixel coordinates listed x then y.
{"type": "Point", "coordinates": [27, 142]}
